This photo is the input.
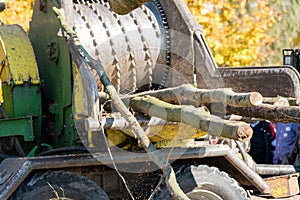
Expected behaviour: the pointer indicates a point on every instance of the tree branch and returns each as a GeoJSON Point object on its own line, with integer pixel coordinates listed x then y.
{"type": "Point", "coordinates": [199, 118]}
{"type": "Point", "coordinates": [187, 92]}
{"type": "Point", "coordinates": [269, 112]}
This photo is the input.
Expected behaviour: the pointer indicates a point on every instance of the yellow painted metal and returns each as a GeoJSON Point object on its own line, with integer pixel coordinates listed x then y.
{"type": "Point", "coordinates": [16, 50]}
{"type": "Point", "coordinates": [175, 143]}
{"type": "Point", "coordinates": [174, 131]}
{"type": "Point", "coordinates": [4, 72]}
{"type": "Point", "coordinates": [174, 135]}
{"type": "Point", "coordinates": [283, 186]}
{"type": "Point", "coordinates": [79, 97]}
{"type": "Point", "coordinates": [115, 137]}
{"type": "Point", "coordinates": [169, 135]}
{"type": "Point", "coordinates": [1, 95]}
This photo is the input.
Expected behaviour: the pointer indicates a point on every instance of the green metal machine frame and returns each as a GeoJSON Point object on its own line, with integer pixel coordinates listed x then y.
{"type": "Point", "coordinates": [55, 69]}
{"type": "Point", "coordinates": [20, 86]}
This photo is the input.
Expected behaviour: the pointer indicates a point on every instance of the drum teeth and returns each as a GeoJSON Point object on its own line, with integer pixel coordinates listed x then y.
{"type": "Point", "coordinates": [103, 34]}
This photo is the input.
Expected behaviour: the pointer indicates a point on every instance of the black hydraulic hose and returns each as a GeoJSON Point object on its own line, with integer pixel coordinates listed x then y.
{"type": "Point", "coordinates": [62, 150]}
{"type": "Point", "coordinates": [50, 152]}
{"type": "Point", "coordinates": [4, 156]}
{"type": "Point", "coordinates": [19, 147]}
{"type": "Point", "coordinates": [124, 143]}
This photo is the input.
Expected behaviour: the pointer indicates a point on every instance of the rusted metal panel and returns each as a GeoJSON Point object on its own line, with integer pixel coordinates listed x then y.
{"type": "Point", "coordinates": [283, 186]}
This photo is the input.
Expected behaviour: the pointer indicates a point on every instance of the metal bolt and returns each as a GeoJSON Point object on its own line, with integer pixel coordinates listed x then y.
{"type": "Point", "coordinates": [53, 108]}
{"type": "Point", "coordinates": [52, 51]}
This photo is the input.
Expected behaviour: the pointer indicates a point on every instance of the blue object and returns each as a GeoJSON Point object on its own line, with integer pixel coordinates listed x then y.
{"type": "Point", "coordinates": [286, 135]}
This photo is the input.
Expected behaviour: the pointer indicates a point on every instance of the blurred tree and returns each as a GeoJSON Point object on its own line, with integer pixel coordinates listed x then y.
{"type": "Point", "coordinates": [236, 30]}
{"type": "Point", "coordinates": [17, 12]}
{"type": "Point", "coordinates": [286, 30]}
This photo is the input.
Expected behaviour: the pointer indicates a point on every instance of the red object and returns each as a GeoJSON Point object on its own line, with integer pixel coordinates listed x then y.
{"type": "Point", "coordinates": [273, 133]}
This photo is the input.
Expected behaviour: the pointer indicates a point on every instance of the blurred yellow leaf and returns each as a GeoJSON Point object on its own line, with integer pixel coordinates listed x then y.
{"type": "Point", "coordinates": [235, 30]}
{"type": "Point", "coordinates": [17, 12]}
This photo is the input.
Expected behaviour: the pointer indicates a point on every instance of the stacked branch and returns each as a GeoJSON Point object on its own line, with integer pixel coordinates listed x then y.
{"type": "Point", "coordinates": [155, 103]}
{"type": "Point", "coordinates": [199, 118]}
{"type": "Point", "coordinates": [188, 94]}
{"type": "Point", "coordinates": [269, 112]}
{"type": "Point", "coordinates": [222, 100]}
{"type": "Point", "coordinates": [273, 109]}
{"type": "Point", "coordinates": [272, 100]}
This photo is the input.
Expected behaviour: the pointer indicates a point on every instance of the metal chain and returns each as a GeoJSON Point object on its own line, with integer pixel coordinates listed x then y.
{"type": "Point", "coordinates": [167, 43]}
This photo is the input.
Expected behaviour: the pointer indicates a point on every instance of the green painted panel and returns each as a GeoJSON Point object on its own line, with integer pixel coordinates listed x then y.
{"type": "Point", "coordinates": [22, 126]}
{"type": "Point", "coordinates": [27, 102]}
{"type": "Point", "coordinates": [56, 73]}
{"type": "Point", "coordinates": [21, 101]}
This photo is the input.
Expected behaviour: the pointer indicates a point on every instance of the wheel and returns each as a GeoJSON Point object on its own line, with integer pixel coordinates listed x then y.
{"type": "Point", "coordinates": [60, 185]}
{"type": "Point", "coordinates": [203, 182]}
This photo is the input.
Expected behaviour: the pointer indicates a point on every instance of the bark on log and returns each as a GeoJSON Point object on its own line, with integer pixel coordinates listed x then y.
{"type": "Point", "coordinates": [197, 117]}
{"type": "Point", "coordinates": [269, 112]}
{"type": "Point", "coordinates": [123, 7]}
{"type": "Point", "coordinates": [272, 100]}
{"type": "Point", "coordinates": [188, 94]}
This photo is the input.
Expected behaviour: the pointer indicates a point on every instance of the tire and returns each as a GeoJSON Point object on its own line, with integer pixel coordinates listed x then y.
{"type": "Point", "coordinates": [68, 185]}
{"type": "Point", "coordinates": [203, 182]}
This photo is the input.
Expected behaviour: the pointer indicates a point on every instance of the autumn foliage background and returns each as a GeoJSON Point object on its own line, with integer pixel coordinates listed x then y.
{"type": "Point", "coordinates": [239, 32]}
{"type": "Point", "coordinates": [18, 12]}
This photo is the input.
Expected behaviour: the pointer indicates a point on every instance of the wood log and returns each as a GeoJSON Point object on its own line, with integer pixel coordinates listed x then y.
{"type": "Point", "coordinates": [123, 7]}
{"type": "Point", "coordinates": [188, 94]}
{"type": "Point", "coordinates": [202, 96]}
{"type": "Point", "coordinates": [269, 112]}
{"type": "Point", "coordinates": [158, 130]}
{"type": "Point", "coordinates": [272, 100]}
{"type": "Point", "coordinates": [197, 117]}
